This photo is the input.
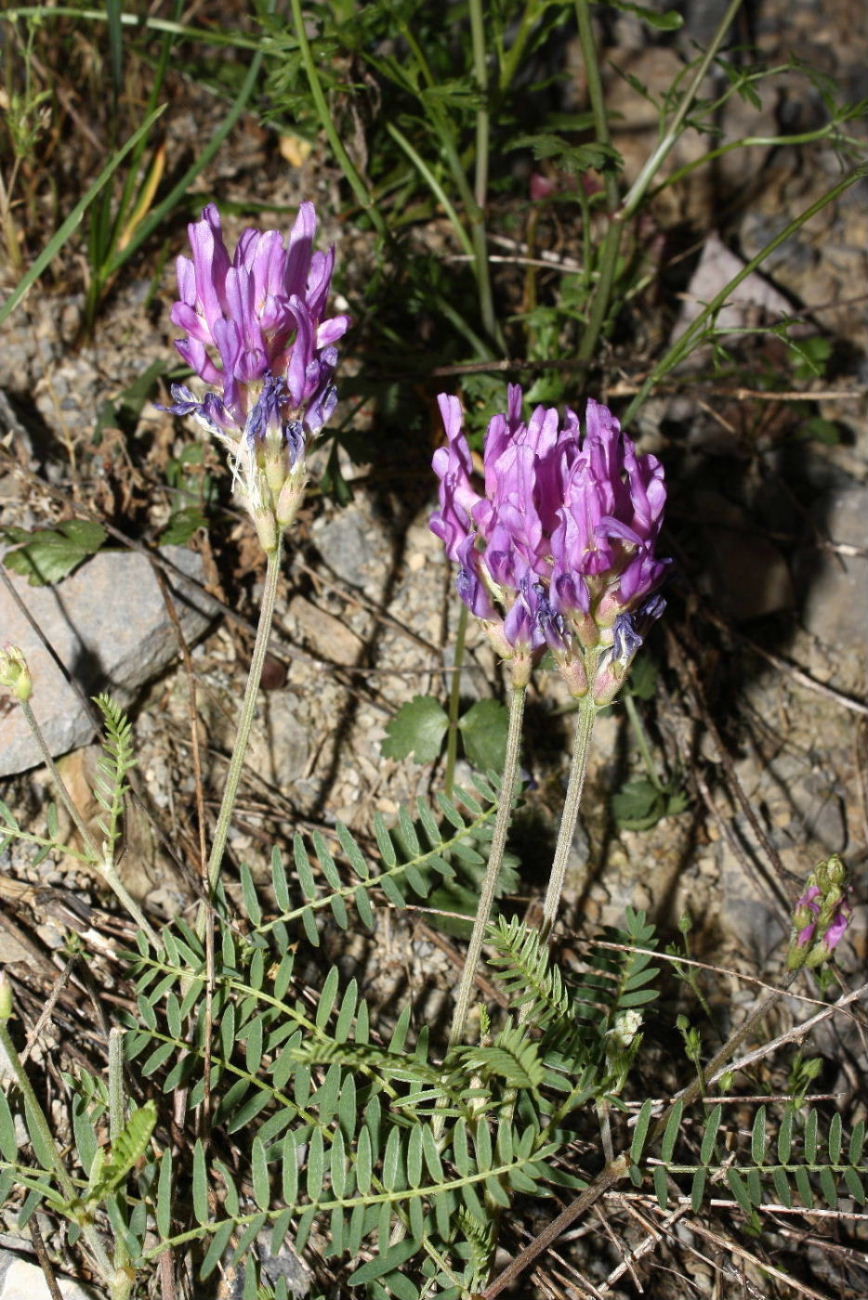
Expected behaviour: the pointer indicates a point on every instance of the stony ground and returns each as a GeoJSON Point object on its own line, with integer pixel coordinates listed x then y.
{"type": "Point", "coordinates": [759, 715]}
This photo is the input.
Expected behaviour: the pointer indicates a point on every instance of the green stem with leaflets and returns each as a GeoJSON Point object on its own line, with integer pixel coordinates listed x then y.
{"type": "Point", "coordinates": [37, 1121]}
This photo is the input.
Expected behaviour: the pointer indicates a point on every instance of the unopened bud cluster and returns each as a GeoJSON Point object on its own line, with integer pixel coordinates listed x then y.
{"type": "Point", "coordinates": [558, 551]}
{"type": "Point", "coordinates": [821, 915]}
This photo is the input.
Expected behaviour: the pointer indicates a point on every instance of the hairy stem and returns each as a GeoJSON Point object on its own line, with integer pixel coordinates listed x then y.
{"type": "Point", "coordinates": [495, 861]}
{"type": "Point", "coordinates": [617, 1169]}
{"type": "Point", "coordinates": [569, 816]}
{"type": "Point", "coordinates": [248, 709]}
{"type": "Point", "coordinates": [455, 700]}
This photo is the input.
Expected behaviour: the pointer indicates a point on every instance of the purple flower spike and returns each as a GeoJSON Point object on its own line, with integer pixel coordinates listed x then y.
{"type": "Point", "coordinates": [256, 334]}
{"type": "Point", "coordinates": [559, 548]}
{"type": "Point", "coordinates": [821, 916]}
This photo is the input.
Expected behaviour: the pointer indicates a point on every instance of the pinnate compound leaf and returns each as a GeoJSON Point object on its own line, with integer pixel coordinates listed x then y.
{"type": "Point", "coordinates": [47, 555]}
{"type": "Point", "coordinates": [417, 728]}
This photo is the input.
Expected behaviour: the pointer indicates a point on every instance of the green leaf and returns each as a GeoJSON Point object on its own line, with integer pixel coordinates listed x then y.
{"type": "Point", "coordinates": [782, 1187]}
{"type": "Point", "coordinates": [835, 1138]}
{"type": "Point", "coordinates": [643, 1123]}
{"type": "Point", "coordinates": [200, 1183]}
{"type": "Point", "coordinates": [47, 555]}
{"type": "Point", "coordinates": [668, 21]}
{"type": "Point", "coordinates": [758, 1137]}
{"type": "Point", "coordinates": [261, 1180]}
{"type": "Point", "coordinates": [417, 728]}
{"type": "Point", "coordinates": [217, 1248]}
{"type": "Point", "coordinates": [8, 1140]}
{"type": "Point", "coordinates": [739, 1189]}
{"type": "Point", "coordinates": [661, 1186]}
{"type": "Point", "coordinates": [697, 1190]}
{"type": "Point", "coordinates": [811, 1141]}
{"type": "Point", "coordinates": [182, 526]}
{"type": "Point", "coordinates": [829, 1187]}
{"type": "Point", "coordinates": [638, 805]}
{"type": "Point", "coordinates": [706, 1153]}
{"type": "Point", "coordinates": [164, 1195]}
{"type": "Point", "coordinates": [785, 1137]}
{"type": "Point", "coordinates": [388, 1261]}
{"type": "Point", "coordinates": [670, 1134]}
{"type": "Point", "coordinates": [484, 729]}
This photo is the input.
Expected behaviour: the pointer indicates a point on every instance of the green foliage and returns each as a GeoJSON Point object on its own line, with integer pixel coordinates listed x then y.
{"type": "Point", "coordinates": [47, 555]}
{"type": "Point", "coordinates": [640, 804]}
{"type": "Point", "coordinates": [419, 728]}
{"type": "Point", "coordinates": [801, 1160]}
{"type": "Point", "coordinates": [115, 763]}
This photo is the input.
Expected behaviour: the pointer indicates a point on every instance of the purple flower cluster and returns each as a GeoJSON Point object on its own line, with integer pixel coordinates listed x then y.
{"type": "Point", "coordinates": [559, 549]}
{"type": "Point", "coordinates": [257, 335]}
{"type": "Point", "coordinates": [821, 916]}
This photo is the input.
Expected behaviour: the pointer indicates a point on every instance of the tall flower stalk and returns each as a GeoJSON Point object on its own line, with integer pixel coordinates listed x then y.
{"type": "Point", "coordinates": [257, 335]}
{"type": "Point", "coordinates": [556, 553]}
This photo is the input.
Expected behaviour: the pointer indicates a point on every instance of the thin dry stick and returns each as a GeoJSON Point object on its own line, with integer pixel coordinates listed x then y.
{"type": "Point", "coordinates": [44, 1262]}
{"type": "Point", "coordinates": [791, 1035]}
{"type": "Point", "coordinates": [48, 1010]}
{"type": "Point", "coordinates": [645, 1247]}
{"type": "Point", "coordinates": [762, 1265]}
{"type": "Point", "coordinates": [617, 1169]}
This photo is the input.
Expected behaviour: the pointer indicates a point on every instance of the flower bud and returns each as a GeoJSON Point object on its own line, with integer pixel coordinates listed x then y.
{"type": "Point", "coordinates": [5, 998]}
{"type": "Point", "coordinates": [14, 673]}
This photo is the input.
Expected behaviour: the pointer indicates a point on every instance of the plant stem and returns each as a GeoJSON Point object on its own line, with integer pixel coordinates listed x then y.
{"type": "Point", "coordinates": [455, 700]}
{"type": "Point", "coordinates": [617, 1169]}
{"type": "Point", "coordinates": [356, 183]}
{"type": "Point", "coordinates": [480, 187]}
{"type": "Point", "coordinates": [495, 861]}
{"type": "Point", "coordinates": [248, 709]}
{"type": "Point", "coordinates": [63, 794]}
{"type": "Point", "coordinates": [642, 741]}
{"type": "Point", "coordinates": [101, 859]}
{"type": "Point", "coordinates": [672, 132]}
{"type": "Point", "coordinates": [36, 1119]}
{"type": "Point", "coordinates": [684, 345]}
{"type": "Point", "coordinates": [569, 816]}
{"type": "Point", "coordinates": [612, 242]}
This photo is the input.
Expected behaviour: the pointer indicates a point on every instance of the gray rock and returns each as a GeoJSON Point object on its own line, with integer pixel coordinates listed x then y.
{"type": "Point", "coordinates": [108, 626]}
{"type": "Point", "coordinates": [356, 546]}
{"type": "Point", "coordinates": [20, 1280]}
{"type": "Point", "coordinates": [835, 586]}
